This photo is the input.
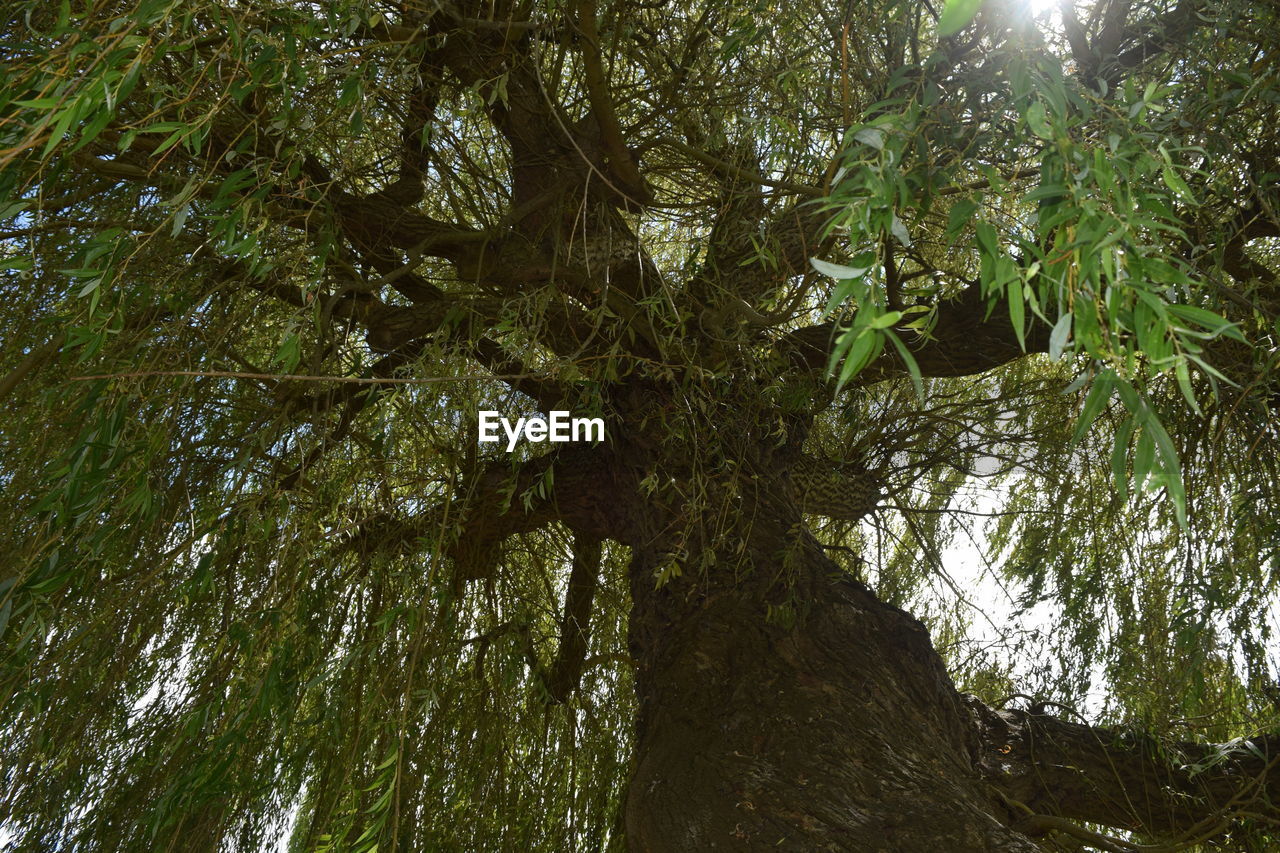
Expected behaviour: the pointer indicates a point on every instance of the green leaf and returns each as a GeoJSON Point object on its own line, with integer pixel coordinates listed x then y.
{"type": "Point", "coordinates": [917, 381]}
{"type": "Point", "coordinates": [39, 103]}
{"type": "Point", "coordinates": [1143, 456]}
{"type": "Point", "coordinates": [1076, 384]}
{"type": "Point", "coordinates": [987, 239]}
{"type": "Point", "coordinates": [179, 219]}
{"type": "Point", "coordinates": [1058, 337]}
{"type": "Point", "coordinates": [1172, 466]}
{"type": "Point", "coordinates": [885, 320]}
{"type": "Point", "coordinates": [60, 126]}
{"type": "Point", "coordinates": [837, 270]}
{"type": "Point", "coordinates": [1174, 182]}
{"type": "Point", "coordinates": [1206, 319]}
{"type": "Point", "coordinates": [899, 231]}
{"type": "Point", "coordinates": [865, 346]}
{"type": "Point", "coordinates": [1120, 456]}
{"type": "Point", "coordinates": [1098, 396]}
{"type": "Point", "coordinates": [960, 215]}
{"type": "Point", "coordinates": [956, 15]}
{"type": "Point", "coordinates": [1167, 453]}
{"type": "Point", "coordinates": [172, 139]}
{"type": "Point", "coordinates": [871, 136]}
{"type": "Point", "coordinates": [845, 289]}
{"type": "Point", "coordinates": [289, 353]}
{"type": "Point", "coordinates": [1038, 121]}
{"type": "Point", "coordinates": [1184, 385]}
{"type": "Point", "coordinates": [1018, 311]}
{"type": "Point", "coordinates": [1046, 191]}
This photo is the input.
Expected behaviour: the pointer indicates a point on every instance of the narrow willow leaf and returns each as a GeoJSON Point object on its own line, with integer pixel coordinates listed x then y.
{"type": "Point", "coordinates": [1120, 458]}
{"type": "Point", "coordinates": [1207, 319]}
{"type": "Point", "coordinates": [885, 320]}
{"type": "Point", "coordinates": [1099, 394]}
{"type": "Point", "coordinates": [917, 381]}
{"type": "Point", "coordinates": [1184, 385]}
{"type": "Point", "coordinates": [837, 270]}
{"type": "Point", "coordinates": [899, 231]}
{"type": "Point", "coordinates": [1143, 457]}
{"type": "Point", "coordinates": [1017, 311]}
{"type": "Point", "coordinates": [956, 15]}
{"type": "Point", "coordinates": [1174, 182]}
{"type": "Point", "coordinates": [1058, 337]}
{"type": "Point", "coordinates": [1172, 466]}
{"type": "Point", "coordinates": [1038, 121]}
{"type": "Point", "coordinates": [871, 136]}
{"type": "Point", "coordinates": [865, 347]}
{"type": "Point", "coordinates": [959, 216]}
{"type": "Point", "coordinates": [1076, 384]}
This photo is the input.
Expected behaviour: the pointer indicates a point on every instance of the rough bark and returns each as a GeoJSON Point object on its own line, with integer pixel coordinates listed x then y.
{"type": "Point", "coordinates": [1053, 769]}
{"type": "Point", "coordinates": [783, 707]}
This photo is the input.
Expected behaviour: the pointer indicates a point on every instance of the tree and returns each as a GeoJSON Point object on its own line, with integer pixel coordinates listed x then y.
{"type": "Point", "coordinates": [821, 269]}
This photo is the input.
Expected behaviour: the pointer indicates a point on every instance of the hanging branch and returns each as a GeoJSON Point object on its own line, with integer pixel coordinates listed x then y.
{"type": "Point", "coordinates": [565, 673]}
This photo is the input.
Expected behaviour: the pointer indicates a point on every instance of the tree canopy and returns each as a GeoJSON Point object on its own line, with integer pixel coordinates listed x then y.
{"type": "Point", "coordinates": [887, 277]}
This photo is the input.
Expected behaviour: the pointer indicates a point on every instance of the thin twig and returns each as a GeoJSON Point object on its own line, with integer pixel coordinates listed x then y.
{"type": "Point", "coordinates": [360, 380]}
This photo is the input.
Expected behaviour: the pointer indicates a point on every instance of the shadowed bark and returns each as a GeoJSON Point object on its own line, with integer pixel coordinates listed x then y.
{"type": "Point", "coordinates": [1186, 791]}
{"type": "Point", "coordinates": [832, 726]}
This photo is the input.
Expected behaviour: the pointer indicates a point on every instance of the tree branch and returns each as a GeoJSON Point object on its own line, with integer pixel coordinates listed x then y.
{"type": "Point", "coordinates": [964, 341]}
{"type": "Point", "coordinates": [624, 167]}
{"type": "Point", "coordinates": [1157, 37]}
{"type": "Point", "coordinates": [575, 625]}
{"type": "Point", "coordinates": [34, 360]}
{"type": "Point", "coordinates": [497, 502]}
{"type": "Point", "coordinates": [1184, 792]}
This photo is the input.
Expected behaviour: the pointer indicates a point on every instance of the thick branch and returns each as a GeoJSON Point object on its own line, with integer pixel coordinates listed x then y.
{"type": "Point", "coordinates": [623, 165]}
{"type": "Point", "coordinates": [575, 625]}
{"type": "Point", "coordinates": [497, 503]}
{"type": "Point", "coordinates": [965, 341]}
{"type": "Point", "coordinates": [376, 222]}
{"type": "Point", "coordinates": [1183, 791]}
{"type": "Point", "coordinates": [1157, 38]}
{"type": "Point", "coordinates": [825, 487]}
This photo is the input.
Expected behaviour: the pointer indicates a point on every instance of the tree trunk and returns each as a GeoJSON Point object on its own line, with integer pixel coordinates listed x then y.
{"type": "Point", "coordinates": [784, 707]}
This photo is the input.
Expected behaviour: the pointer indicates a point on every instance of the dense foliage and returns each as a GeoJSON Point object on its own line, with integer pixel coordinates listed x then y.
{"type": "Point", "coordinates": [263, 262]}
